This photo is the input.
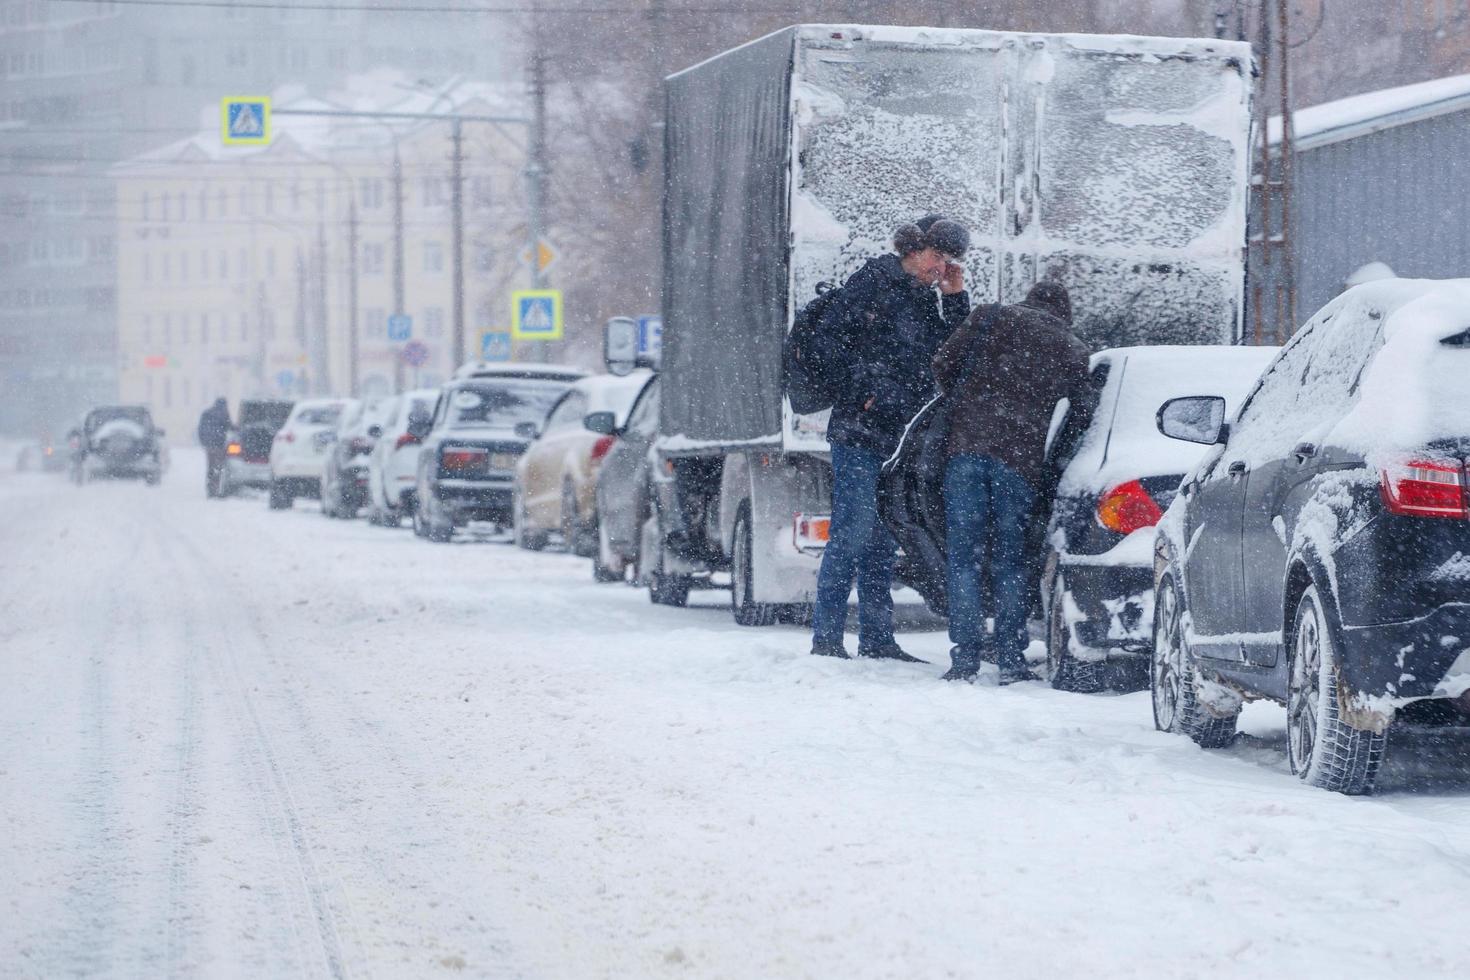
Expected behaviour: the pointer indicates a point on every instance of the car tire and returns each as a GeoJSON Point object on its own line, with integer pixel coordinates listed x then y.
{"type": "Point", "coordinates": [1323, 750]}
{"type": "Point", "coordinates": [1173, 677]}
{"type": "Point", "coordinates": [607, 567]}
{"type": "Point", "coordinates": [577, 536]}
{"type": "Point", "coordinates": [666, 589]}
{"type": "Point", "coordinates": [279, 497]}
{"type": "Point", "coordinates": [525, 536]}
{"type": "Point", "coordinates": [1063, 670]}
{"type": "Point", "coordinates": [743, 607]}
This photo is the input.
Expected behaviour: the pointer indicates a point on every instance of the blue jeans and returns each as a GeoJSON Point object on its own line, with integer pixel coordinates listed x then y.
{"type": "Point", "coordinates": [857, 547]}
{"type": "Point", "coordinates": [985, 500]}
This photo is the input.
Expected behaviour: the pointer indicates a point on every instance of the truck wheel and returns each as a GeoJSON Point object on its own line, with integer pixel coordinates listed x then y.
{"type": "Point", "coordinates": [1173, 676]}
{"type": "Point", "coordinates": [1064, 671]}
{"type": "Point", "coordinates": [665, 589]}
{"type": "Point", "coordinates": [280, 497]}
{"type": "Point", "coordinates": [1324, 751]}
{"type": "Point", "coordinates": [743, 607]}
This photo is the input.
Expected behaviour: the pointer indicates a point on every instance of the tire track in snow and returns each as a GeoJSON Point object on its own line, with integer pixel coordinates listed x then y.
{"type": "Point", "coordinates": [279, 811]}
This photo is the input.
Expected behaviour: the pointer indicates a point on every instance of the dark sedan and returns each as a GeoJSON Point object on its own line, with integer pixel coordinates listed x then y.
{"type": "Point", "coordinates": [1319, 555]}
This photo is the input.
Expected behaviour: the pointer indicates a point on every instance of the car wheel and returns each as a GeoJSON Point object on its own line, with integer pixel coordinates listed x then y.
{"type": "Point", "coordinates": [1063, 670]}
{"type": "Point", "coordinates": [280, 498]}
{"type": "Point", "coordinates": [743, 607]}
{"type": "Point", "coordinates": [525, 536]}
{"type": "Point", "coordinates": [576, 535]}
{"type": "Point", "coordinates": [1322, 748]}
{"type": "Point", "coordinates": [606, 566]}
{"type": "Point", "coordinates": [1173, 677]}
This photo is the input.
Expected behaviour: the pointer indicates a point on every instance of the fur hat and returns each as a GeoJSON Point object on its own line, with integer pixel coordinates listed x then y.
{"type": "Point", "coordinates": [1051, 297]}
{"type": "Point", "coordinates": [932, 231]}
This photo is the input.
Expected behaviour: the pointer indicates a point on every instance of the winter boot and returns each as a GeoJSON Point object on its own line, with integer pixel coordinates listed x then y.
{"type": "Point", "coordinates": [965, 664]}
{"type": "Point", "coordinates": [888, 651]}
{"type": "Point", "coordinates": [1015, 672]}
{"type": "Point", "coordinates": [830, 650]}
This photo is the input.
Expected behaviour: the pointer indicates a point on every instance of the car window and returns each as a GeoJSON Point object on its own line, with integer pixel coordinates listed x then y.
{"type": "Point", "coordinates": [503, 404]}
{"type": "Point", "coordinates": [644, 417]}
{"type": "Point", "coordinates": [1336, 367]}
{"type": "Point", "coordinates": [132, 413]}
{"type": "Point", "coordinates": [390, 414]}
{"type": "Point", "coordinates": [1268, 423]}
{"type": "Point", "coordinates": [569, 412]}
{"type": "Point", "coordinates": [319, 415]}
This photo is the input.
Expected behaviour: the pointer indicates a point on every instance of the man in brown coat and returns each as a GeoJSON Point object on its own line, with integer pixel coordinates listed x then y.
{"type": "Point", "coordinates": [1004, 370]}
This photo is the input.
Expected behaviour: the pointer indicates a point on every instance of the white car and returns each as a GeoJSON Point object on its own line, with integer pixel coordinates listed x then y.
{"type": "Point", "coordinates": [300, 449]}
{"type": "Point", "coordinates": [393, 465]}
{"type": "Point", "coordinates": [517, 369]}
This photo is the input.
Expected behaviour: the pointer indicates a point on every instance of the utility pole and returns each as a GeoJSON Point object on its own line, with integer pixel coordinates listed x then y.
{"type": "Point", "coordinates": [321, 369]}
{"type": "Point", "coordinates": [398, 300]}
{"type": "Point", "coordinates": [352, 324]}
{"type": "Point", "coordinates": [1273, 288]}
{"type": "Point", "coordinates": [536, 172]}
{"type": "Point", "coordinates": [457, 206]}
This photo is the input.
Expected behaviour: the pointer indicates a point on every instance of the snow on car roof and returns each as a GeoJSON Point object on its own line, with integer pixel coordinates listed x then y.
{"type": "Point", "coordinates": [1369, 112]}
{"type": "Point", "coordinates": [613, 393]}
{"type": "Point", "coordinates": [1123, 442]}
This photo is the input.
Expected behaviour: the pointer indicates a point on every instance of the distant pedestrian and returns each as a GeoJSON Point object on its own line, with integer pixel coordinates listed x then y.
{"type": "Point", "coordinates": [884, 327]}
{"type": "Point", "coordinates": [214, 436]}
{"type": "Point", "coordinates": [1004, 371]}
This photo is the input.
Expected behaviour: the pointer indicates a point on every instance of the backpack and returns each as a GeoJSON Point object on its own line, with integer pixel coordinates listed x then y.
{"type": "Point", "coordinates": [812, 382]}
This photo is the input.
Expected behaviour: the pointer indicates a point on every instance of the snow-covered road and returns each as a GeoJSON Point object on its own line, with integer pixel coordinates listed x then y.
{"type": "Point", "coordinates": [243, 743]}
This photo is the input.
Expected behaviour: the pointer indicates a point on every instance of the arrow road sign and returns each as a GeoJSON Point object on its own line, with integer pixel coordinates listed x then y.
{"type": "Point", "coordinates": [245, 119]}
{"type": "Point", "coordinates": [546, 255]}
{"type": "Point", "coordinates": [400, 327]}
{"type": "Point", "coordinates": [536, 314]}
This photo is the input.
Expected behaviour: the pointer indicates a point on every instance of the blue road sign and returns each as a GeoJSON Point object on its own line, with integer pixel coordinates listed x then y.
{"type": "Point", "coordinates": [284, 378]}
{"type": "Point", "coordinates": [400, 327]}
{"type": "Point", "coordinates": [650, 336]}
{"type": "Point", "coordinates": [245, 119]}
{"type": "Point", "coordinates": [536, 314]}
{"type": "Point", "coordinates": [495, 345]}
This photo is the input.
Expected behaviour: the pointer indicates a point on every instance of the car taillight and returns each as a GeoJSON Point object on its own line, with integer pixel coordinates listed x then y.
{"type": "Point", "coordinates": [407, 439]}
{"type": "Point", "coordinates": [810, 532]}
{"type": "Point", "coordinates": [601, 447]}
{"type": "Point", "coordinates": [284, 436]}
{"type": "Point", "coordinates": [1127, 507]}
{"type": "Point", "coordinates": [1425, 488]}
{"type": "Point", "coordinates": [463, 457]}
{"type": "Point", "coordinates": [233, 449]}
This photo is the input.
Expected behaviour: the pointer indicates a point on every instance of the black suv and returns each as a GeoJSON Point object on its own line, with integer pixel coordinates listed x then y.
{"type": "Point", "coordinates": [1319, 554]}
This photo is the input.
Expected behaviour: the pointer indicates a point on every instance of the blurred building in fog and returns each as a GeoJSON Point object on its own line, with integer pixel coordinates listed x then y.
{"type": "Point", "coordinates": [234, 264]}
{"type": "Point", "coordinates": [84, 85]}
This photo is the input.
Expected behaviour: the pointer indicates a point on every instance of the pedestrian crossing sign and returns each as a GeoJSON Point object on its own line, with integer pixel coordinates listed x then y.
{"type": "Point", "coordinates": [245, 119]}
{"type": "Point", "coordinates": [536, 314]}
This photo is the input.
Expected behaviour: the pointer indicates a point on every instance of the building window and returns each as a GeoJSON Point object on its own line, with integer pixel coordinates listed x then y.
{"type": "Point", "coordinates": [147, 267]}
{"type": "Point", "coordinates": [434, 191]}
{"type": "Point", "coordinates": [146, 202]}
{"type": "Point", "coordinates": [163, 207]}
{"type": "Point", "coordinates": [168, 332]}
{"type": "Point", "coordinates": [270, 261]}
{"type": "Point", "coordinates": [372, 259]}
{"type": "Point", "coordinates": [433, 257]}
{"type": "Point", "coordinates": [224, 264]}
{"type": "Point", "coordinates": [168, 392]}
{"type": "Point", "coordinates": [204, 329]}
{"type": "Point", "coordinates": [370, 192]}
{"type": "Point", "coordinates": [434, 322]}
{"type": "Point", "coordinates": [374, 324]}
{"type": "Point", "coordinates": [203, 264]}
{"type": "Point", "coordinates": [167, 266]}
{"type": "Point", "coordinates": [183, 266]}
{"type": "Point", "coordinates": [480, 191]}
{"type": "Point", "coordinates": [203, 205]}
{"type": "Point", "coordinates": [221, 199]}
{"type": "Point", "coordinates": [244, 327]}
{"type": "Point", "coordinates": [147, 331]}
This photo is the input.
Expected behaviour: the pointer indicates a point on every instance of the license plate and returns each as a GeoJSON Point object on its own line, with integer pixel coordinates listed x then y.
{"type": "Point", "coordinates": [502, 461]}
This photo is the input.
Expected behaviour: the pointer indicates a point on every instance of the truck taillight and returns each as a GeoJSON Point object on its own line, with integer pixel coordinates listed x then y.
{"type": "Point", "coordinates": [233, 449]}
{"type": "Point", "coordinates": [407, 439]}
{"type": "Point", "coordinates": [1127, 507]}
{"type": "Point", "coordinates": [601, 448]}
{"type": "Point", "coordinates": [810, 532]}
{"type": "Point", "coordinates": [1417, 487]}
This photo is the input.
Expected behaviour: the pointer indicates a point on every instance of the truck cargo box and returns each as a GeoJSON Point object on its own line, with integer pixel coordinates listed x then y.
{"type": "Point", "coordinates": [1117, 165]}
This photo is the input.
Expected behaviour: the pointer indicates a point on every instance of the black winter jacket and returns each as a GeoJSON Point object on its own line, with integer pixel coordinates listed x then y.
{"type": "Point", "coordinates": [214, 428]}
{"type": "Point", "coordinates": [884, 329]}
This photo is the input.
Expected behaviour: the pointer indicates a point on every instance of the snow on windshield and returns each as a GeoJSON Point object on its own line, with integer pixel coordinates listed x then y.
{"type": "Point", "coordinates": [502, 404]}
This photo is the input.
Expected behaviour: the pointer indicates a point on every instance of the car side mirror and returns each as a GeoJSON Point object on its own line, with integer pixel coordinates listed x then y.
{"type": "Point", "coordinates": [603, 423]}
{"type": "Point", "coordinates": [1194, 418]}
{"type": "Point", "coordinates": [526, 430]}
{"type": "Point", "coordinates": [620, 345]}
{"type": "Point", "coordinates": [419, 425]}
{"type": "Point", "coordinates": [375, 432]}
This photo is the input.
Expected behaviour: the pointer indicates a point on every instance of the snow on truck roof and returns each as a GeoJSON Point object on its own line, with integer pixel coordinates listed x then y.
{"type": "Point", "coordinates": [1161, 47]}
{"type": "Point", "coordinates": [1372, 112]}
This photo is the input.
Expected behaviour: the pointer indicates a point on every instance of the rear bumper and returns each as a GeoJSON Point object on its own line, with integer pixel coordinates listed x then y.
{"type": "Point", "coordinates": [242, 473]}
{"type": "Point", "coordinates": [1426, 657]}
{"type": "Point", "coordinates": [1110, 609]}
{"type": "Point", "coordinates": [298, 467]}
{"type": "Point", "coordinates": [474, 500]}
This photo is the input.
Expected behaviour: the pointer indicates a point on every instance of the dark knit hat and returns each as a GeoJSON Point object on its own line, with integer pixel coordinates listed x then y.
{"type": "Point", "coordinates": [932, 231]}
{"type": "Point", "coordinates": [1051, 297]}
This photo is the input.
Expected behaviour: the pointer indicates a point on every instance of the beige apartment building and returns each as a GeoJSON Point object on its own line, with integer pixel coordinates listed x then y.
{"type": "Point", "coordinates": [236, 266]}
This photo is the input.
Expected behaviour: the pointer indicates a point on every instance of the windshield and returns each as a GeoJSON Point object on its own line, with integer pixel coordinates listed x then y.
{"type": "Point", "coordinates": [265, 413]}
{"type": "Point", "coordinates": [320, 415]}
{"type": "Point", "coordinates": [133, 413]}
{"type": "Point", "coordinates": [503, 404]}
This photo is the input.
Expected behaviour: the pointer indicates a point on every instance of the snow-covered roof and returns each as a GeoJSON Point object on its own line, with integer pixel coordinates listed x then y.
{"type": "Point", "coordinates": [1370, 112]}
{"type": "Point", "coordinates": [312, 139]}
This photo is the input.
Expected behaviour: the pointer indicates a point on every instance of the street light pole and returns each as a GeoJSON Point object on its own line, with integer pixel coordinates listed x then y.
{"type": "Point", "coordinates": [536, 175]}
{"type": "Point", "coordinates": [398, 300]}
{"type": "Point", "coordinates": [352, 324]}
{"type": "Point", "coordinates": [457, 193]}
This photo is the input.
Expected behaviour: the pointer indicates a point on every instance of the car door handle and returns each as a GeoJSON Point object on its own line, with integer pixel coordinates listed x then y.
{"type": "Point", "coordinates": [1304, 451]}
{"type": "Point", "coordinates": [1236, 468]}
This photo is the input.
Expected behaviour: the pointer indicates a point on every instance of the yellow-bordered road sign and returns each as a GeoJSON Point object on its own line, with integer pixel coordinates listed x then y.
{"type": "Point", "coordinates": [536, 314]}
{"type": "Point", "coordinates": [245, 119]}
